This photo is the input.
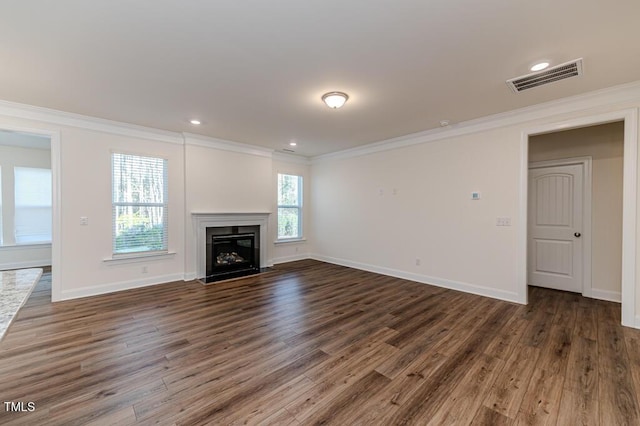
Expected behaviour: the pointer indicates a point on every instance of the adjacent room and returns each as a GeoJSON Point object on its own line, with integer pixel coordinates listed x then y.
{"type": "Point", "coordinates": [219, 212]}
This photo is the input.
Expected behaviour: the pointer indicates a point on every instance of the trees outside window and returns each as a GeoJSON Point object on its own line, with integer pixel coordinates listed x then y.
{"type": "Point", "coordinates": [140, 205]}
{"type": "Point", "coordinates": [289, 206]}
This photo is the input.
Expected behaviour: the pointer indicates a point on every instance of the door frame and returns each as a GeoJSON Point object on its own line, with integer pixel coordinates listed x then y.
{"type": "Point", "coordinates": [586, 163]}
{"type": "Point", "coordinates": [629, 202]}
{"type": "Point", "coordinates": [56, 228]}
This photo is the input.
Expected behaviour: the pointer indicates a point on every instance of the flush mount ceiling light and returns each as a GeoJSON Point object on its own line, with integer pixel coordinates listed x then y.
{"type": "Point", "coordinates": [335, 99]}
{"type": "Point", "coordinates": [194, 122]}
{"type": "Point", "coordinates": [539, 66]}
{"type": "Point", "coordinates": [293, 143]}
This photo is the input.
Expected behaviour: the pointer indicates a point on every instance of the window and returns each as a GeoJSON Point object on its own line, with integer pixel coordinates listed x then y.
{"type": "Point", "coordinates": [33, 213]}
{"type": "Point", "coordinates": [139, 204]}
{"type": "Point", "coordinates": [289, 206]}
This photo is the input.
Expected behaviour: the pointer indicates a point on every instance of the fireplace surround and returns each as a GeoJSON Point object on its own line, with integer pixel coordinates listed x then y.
{"type": "Point", "coordinates": [222, 226]}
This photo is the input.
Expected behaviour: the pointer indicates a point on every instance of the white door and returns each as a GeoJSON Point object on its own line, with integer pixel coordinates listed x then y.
{"type": "Point", "coordinates": [555, 227]}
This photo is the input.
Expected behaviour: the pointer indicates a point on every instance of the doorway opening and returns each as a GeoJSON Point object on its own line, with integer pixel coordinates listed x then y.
{"type": "Point", "coordinates": [575, 210]}
{"type": "Point", "coordinates": [609, 271]}
{"type": "Point", "coordinates": [29, 209]}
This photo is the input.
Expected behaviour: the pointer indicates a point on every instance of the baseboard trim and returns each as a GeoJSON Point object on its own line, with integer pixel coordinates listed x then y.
{"type": "Point", "coordinates": [424, 279]}
{"type": "Point", "coordinates": [637, 324]}
{"type": "Point", "coordinates": [285, 259]}
{"type": "Point", "coordinates": [120, 286]}
{"type": "Point", "coordinates": [23, 265]}
{"type": "Point", "coordinates": [609, 296]}
{"type": "Point", "coordinates": [190, 276]}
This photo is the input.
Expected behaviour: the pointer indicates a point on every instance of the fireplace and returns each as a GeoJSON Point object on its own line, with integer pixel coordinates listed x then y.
{"type": "Point", "coordinates": [232, 251]}
{"type": "Point", "coordinates": [204, 224]}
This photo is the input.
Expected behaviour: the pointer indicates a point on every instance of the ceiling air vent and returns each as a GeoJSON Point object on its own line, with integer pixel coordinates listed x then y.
{"type": "Point", "coordinates": [559, 72]}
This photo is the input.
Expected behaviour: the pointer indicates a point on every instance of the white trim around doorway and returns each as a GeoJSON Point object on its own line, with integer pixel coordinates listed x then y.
{"type": "Point", "coordinates": [56, 230]}
{"type": "Point", "coordinates": [629, 206]}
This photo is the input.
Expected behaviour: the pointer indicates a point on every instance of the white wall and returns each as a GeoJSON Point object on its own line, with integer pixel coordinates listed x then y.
{"type": "Point", "coordinates": [84, 189]}
{"type": "Point", "coordinates": [224, 181]}
{"type": "Point", "coordinates": [204, 176]}
{"type": "Point", "coordinates": [604, 143]}
{"type": "Point", "coordinates": [11, 255]}
{"type": "Point", "coordinates": [384, 210]}
{"type": "Point", "coordinates": [432, 217]}
{"type": "Point", "coordinates": [235, 178]}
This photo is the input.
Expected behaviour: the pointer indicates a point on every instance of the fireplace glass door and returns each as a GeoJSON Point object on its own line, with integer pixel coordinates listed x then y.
{"type": "Point", "coordinates": [233, 252]}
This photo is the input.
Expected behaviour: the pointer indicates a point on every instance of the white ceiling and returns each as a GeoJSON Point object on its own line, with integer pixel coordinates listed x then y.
{"type": "Point", "coordinates": [253, 71]}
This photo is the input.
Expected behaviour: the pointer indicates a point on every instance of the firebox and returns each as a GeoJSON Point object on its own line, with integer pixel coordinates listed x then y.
{"type": "Point", "coordinates": [232, 255]}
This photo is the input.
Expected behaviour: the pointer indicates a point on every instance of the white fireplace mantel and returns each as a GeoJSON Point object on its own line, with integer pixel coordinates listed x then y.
{"type": "Point", "coordinates": [202, 221]}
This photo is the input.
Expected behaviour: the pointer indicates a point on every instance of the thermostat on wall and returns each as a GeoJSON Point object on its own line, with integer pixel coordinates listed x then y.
{"type": "Point", "coordinates": [475, 195]}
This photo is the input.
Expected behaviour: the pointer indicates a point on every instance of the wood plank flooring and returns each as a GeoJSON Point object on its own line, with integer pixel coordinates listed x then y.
{"type": "Point", "coordinates": [313, 343]}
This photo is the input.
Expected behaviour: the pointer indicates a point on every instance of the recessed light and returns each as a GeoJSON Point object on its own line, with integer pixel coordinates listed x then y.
{"type": "Point", "coordinates": [539, 66]}
{"type": "Point", "coordinates": [194, 122]}
{"type": "Point", "coordinates": [293, 143]}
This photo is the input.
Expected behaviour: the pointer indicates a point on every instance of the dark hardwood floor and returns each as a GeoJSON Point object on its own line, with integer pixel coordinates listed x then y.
{"type": "Point", "coordinates": [314, 343]}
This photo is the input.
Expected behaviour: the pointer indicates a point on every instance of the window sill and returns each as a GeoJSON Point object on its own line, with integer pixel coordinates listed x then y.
{"type": "Point", "coordinates": [25, 246]}
{"type": "Point", "coordinates": [133, 258]}
{"type": "Point", "coordinates": [290, 240]}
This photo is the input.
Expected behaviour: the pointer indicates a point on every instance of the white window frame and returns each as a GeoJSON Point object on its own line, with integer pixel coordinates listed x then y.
{"type": "Point", "coordinates": [298, 207]}
{"type": "Point", "coordinates": [164, 205]}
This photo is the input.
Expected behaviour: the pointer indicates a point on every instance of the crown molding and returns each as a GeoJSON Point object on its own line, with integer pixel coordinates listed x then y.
{"type": "Point", "coordinates": [609, 96]}
{"type": "Point", "coordinates": [62, 118]}
{"type": "Point", "coordinates": [291, 158]}
{"type": "Point", "coordinates": [604, 97]}
{"type": "Point", "coordinates": [214, 143]}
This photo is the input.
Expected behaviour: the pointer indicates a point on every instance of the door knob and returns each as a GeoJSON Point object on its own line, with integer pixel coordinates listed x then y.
{"type": "Point", "coordinates": [577, 234]}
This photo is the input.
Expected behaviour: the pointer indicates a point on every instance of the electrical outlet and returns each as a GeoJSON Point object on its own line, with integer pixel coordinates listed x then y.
{"type": "Point", "coordinates": [84, 220]}
{"type": "Point", "coordinates": [418, 262]}
{"type": "Point", "coordinates": [503, 221]}
{"type": "Point", "coordinates": [145, 270]}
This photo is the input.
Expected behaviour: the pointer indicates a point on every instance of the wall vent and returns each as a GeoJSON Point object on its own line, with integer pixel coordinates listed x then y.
{"type": "Point", "coordinates": [550, 75]}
